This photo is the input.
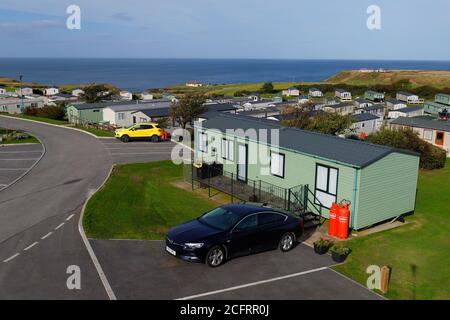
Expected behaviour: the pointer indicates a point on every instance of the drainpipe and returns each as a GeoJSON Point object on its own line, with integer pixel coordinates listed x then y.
{"type": "Point", "coordinates": [355, 190]}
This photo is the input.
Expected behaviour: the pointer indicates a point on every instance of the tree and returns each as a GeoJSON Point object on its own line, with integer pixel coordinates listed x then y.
{"type": "Point", "coordinates": [164, 123]}
{"type": "Point", "coordinates": [330, 123]}
{"type": "Point", "coordinates": [303, 117]}
{"type": "Point", "coordinates": [297, 117]}
{"type": "Point", "coordinates": [96, 93]}
{"type": "Point", "coordinates": [431, 157]}
{"type": "Point", "coordinates": [186, 109]}
{"type": "Point", "coordinates": [267, 87]}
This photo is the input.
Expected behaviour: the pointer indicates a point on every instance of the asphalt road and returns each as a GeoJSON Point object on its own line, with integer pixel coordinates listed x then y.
{"type": "Point", "coordinates": [39, 216]}
{"type": "Point", "coordinates": [16, 160]}
{"type": "Point", "coordinates": [137, 151]}
{"type": "Point", "coordinates": [143, 270]}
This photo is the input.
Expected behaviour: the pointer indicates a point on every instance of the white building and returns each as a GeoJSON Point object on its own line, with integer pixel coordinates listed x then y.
{"type": "Point", "coordinates": [394, 104]}
{"type": "Point", "coordinates": [12, 105]}
{"type": "Point", "coordinates": [362, 103]}
{"type": "Point", "coordinates": [315, 93]}
{"type": "Point", "coordinates": [254, 105]}
{"type": "Point", "coordinates": [408, 97]}
{"type": "Point", "coordinates": [291, 92]}
{"type": "Point", "coordinates": [303, 99]}
{"type": "Point", "coordinates": [126, 95]}
{"type": "Point", "coordinates": [342, 94]}
{"type": "Point", "coordinates": [26, 91]}
{"type": "Point", "coordinates": [77, 92]}
{"type": "Point", "coordinates": [51, 91]}
{"type": "Point", "coordinates": [408, 112]}
{"type": "Point", "coordinates": [146, 96]}
{"type": "Point", "coordinates": [194, 84]}
{"type": "Point", "coordinates": [121, 114]}
{"type": "Point", "coordinates": [365, 123]}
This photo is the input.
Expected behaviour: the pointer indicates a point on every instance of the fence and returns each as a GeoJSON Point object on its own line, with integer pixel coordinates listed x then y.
{"type": "Point", "coordinates": [295, 199]}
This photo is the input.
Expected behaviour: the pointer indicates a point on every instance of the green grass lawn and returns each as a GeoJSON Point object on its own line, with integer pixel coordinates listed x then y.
{"type": "Point", "coordinates": [97, 132]}
{"type": "Point", "coordinates": [418, 253]}
{"type": "Point", "coordinates": [31, 139]}
{"type": "Point", "coordinates": [40, 119]}
{"type": "Point", "coordinates": [139, 202]}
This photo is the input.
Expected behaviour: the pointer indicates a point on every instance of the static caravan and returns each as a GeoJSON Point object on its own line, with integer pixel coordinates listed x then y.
{"type": "Point", "coordinates": [374, 96]}
{"type": "Point", "coordinates": [433, 131]}
{"type": "Point", "coordinates": [343, 108]}
{"type": "Point", "coordinates": [342, 94]}
{"type": "Point", "coordinates": [261, 154]}
{"type": "Point", "coordinates": [408, 97]}
{"type": "Point", "coordinates": [441, 102]}
{"type": "Point", "coordinates": [362, 103]}
{"type": "Point", "coordinates": [408, 112]}
{"type": "Point", "coordinates": [291, 92]}
{"type": "Point", "coordinates": [365, 123]}
{"type": "Point", "coordinates": [315, 93]}
{"type": "Point", "coordinates": [394, 104]}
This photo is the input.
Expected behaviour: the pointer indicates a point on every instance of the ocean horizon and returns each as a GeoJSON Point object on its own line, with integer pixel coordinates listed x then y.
{"type": "Point", "coordinates": [138, 74]}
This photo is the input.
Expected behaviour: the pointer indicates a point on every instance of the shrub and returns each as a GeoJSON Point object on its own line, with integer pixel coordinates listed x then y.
{"type": "Point", "coordinates": [340, 249]}
{"type": "Point", "coordinates": [51, 112]}
{"type": "Point", "coordinates": [431, 157]}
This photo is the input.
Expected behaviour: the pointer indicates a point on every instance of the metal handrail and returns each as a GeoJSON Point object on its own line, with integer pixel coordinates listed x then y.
{"type": "Point", "coordinates": [313, 203]}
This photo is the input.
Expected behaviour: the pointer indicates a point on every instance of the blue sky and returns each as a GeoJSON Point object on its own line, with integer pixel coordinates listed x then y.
{"type": "Point", "coordinates": [282, 29]}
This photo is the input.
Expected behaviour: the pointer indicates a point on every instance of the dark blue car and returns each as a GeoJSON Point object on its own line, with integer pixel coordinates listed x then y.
{"type": "Point", "coordinates": [233, 230]}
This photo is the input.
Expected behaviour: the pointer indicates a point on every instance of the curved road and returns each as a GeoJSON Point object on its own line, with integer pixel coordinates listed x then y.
{"type": "Point", "coordinates": [39, 215]}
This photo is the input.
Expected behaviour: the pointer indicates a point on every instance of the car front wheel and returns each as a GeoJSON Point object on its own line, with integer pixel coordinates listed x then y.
{"type": "Point", "coordinates": [287, 242]}
{"type": "Point", "coordinates": [215, 256]}
{"type": "Point", "coordinates": [125, 138]}
{"type": "Point", "coordinates": [155, 138]}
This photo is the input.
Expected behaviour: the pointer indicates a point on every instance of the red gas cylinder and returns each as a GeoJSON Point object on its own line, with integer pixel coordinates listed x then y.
{"type": "Point", "coordinates": [343, 220]}
{"type": "Point", "coordinates": [333, 222]}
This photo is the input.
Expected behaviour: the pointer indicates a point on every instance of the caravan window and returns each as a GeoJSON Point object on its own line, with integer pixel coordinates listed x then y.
{"type": "Point", "coordinates": [326, 185]}
{"type": "Point", "coordinates": [203, 142]}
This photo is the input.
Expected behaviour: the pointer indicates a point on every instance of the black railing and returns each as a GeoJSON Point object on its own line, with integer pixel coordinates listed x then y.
{"type": "Point", "coordinates": [213, 176]}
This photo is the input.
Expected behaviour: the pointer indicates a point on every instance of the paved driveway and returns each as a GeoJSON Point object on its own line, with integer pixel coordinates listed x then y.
{"type": "Point", "coordinates": [143, 270]}
{"type": "Point", "coordinates": [137, 151]}
{"type": "Point", "coordinates": [15, 160]}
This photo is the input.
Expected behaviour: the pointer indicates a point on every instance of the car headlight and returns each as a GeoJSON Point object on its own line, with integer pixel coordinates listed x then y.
{"type": "Point", "coordinates": [193, 245]}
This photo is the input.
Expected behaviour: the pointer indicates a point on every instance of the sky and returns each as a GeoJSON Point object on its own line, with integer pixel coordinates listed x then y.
{"type": "Point", "coordinates": [248, 29]}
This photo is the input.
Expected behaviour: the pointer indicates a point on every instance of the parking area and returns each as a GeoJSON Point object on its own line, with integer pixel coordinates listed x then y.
{"type": "Point", "coordinates": [15, 160]}
{"type": "Point", "coordinates": [143, 270]}
{"type": "Point", "coordinates": [137, 151]}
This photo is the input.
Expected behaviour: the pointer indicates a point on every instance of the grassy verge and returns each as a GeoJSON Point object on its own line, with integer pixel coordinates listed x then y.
{"type": "Point", "coordinates": [418, 253]}
{"type": "Point", "coordinates": [139, 201]}
{"type": "Point", "coordinates": [31, 139]}
{"type": "Point", "coordinates": [97, 132]}
{"type": "Point", "coordinates": [40, 119]}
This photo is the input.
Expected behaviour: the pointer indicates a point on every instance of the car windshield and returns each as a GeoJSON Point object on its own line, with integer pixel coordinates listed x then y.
{"type": "Point", "coordinates": [220, 218]}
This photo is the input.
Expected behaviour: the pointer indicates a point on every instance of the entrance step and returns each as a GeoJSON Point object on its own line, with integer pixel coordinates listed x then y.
{"type": "Point", "coordinates": [311, 224]}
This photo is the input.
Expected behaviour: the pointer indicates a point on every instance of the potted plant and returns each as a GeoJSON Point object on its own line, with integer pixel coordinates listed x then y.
{"type": "Point", "coordinates": [339, 253]}
{"type": "Point", "coordinates": [322, 245]}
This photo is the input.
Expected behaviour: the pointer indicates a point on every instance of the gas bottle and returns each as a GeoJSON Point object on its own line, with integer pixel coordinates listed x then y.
{"type": "Point", "coordinates": [333, 223]}
{"type": "Point", "coordinates": [343, 220]}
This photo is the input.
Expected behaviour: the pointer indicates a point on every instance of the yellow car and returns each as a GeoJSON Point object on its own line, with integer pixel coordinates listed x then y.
{"type": "Point", "coordinates": [141, 131]}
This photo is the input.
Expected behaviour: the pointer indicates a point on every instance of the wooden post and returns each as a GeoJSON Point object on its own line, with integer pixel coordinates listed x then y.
{"type": "Point", "coordinates": [385, 274]}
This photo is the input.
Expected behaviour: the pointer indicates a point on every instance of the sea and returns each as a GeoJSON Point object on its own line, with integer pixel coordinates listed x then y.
{"type": "Point", "coordinates": [140, 74]}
